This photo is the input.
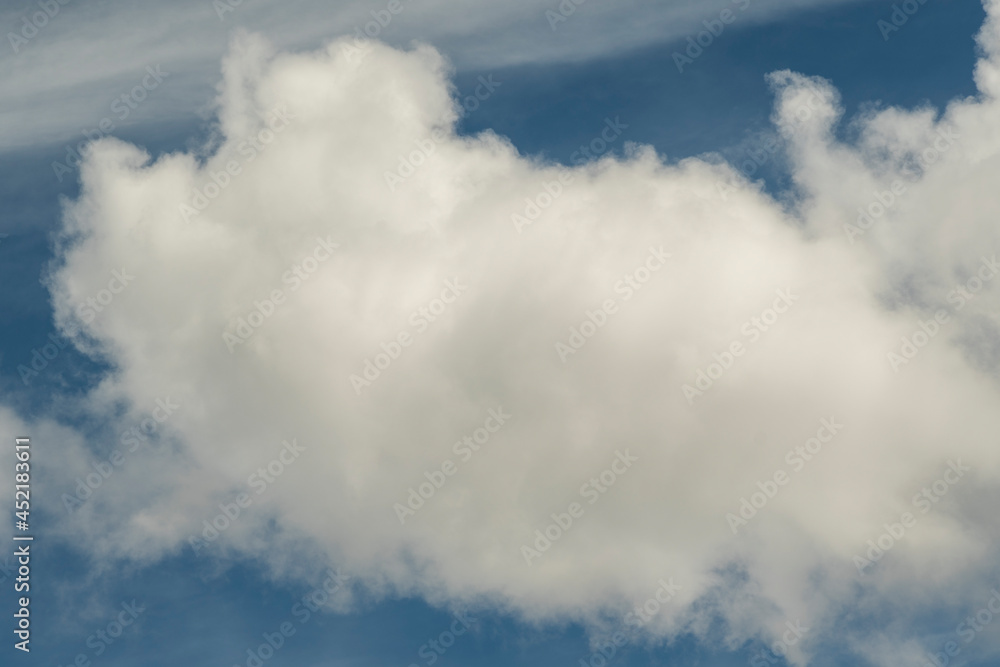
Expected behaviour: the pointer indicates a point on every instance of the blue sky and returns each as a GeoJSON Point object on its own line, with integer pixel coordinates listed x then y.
{"type": "Point", "coordinates": [209, 608]}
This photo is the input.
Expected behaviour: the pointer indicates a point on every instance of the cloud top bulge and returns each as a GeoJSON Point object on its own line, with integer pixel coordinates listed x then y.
{"type": "Point", "coordinates": [502, 332]}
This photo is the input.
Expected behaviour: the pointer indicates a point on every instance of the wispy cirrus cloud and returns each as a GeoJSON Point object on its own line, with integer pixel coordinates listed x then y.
{"type": "Point", "coordinates": [92, 53]}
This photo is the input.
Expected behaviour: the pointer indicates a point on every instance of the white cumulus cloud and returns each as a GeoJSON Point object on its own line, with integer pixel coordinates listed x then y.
{"type": "Point", "coordinates": [653, 342]}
